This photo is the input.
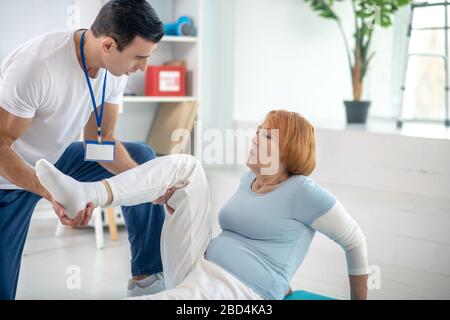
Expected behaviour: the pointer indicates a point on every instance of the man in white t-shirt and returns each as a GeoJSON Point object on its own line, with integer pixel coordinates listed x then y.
{"type": "Point", "coordinates": [45, 104]}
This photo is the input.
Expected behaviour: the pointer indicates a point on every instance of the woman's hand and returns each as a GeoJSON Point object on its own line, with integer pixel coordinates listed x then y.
{"type": "Point", "coordinates": [164, 198]}
{"type": "Point", "coordinates": [358, 287]}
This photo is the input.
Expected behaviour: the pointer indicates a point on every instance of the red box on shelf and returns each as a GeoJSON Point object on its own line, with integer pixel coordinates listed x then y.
{"type": "Point", "coordinates": [165, 81]}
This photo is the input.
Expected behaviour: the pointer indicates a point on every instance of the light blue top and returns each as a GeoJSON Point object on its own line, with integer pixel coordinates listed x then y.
{"type": "Point", "coordinates": [265, 237]}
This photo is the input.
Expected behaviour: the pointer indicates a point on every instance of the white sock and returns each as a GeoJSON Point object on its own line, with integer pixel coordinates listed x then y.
{"type": "Point", "coordinates": [70, 193]}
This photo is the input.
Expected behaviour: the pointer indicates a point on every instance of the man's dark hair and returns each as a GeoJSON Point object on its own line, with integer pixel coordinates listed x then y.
{"type": "Point", "coordinates": [123, 20]}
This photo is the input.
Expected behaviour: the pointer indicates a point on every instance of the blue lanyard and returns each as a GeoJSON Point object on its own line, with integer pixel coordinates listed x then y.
{"type": "Point", "coordinates": [98, 117]}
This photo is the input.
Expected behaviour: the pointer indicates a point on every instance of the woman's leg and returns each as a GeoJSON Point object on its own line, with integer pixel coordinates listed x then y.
{"type": "Point", "coordinates": [186, 233]}
{"type": "Point", "coordinates": [207, 281]}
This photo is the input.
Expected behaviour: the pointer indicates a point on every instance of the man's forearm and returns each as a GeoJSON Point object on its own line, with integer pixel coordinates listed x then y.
{"type": "Point", "coordinates": [122, 162]}
{"type": "Point", "coordinates": [15, 170]}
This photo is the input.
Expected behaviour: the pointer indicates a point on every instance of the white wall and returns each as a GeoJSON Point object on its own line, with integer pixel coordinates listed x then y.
{"type": "Point", "coordinates": [25, 19]}
{"type": "Point", "coordinates": [88, 10]}
{"type": "Point", "coordinates": [397, 188]}
{"type": "Point", "coordinates": [218, 61]}
{"type": "Point", "coordinates": [288, 57]}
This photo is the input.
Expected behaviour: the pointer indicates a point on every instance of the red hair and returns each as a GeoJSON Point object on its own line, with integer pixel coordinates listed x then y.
{"type": "Point", "coordinates": [297, 141]}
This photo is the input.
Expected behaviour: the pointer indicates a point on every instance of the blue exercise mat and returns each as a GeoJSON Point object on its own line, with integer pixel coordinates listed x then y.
{"type": "Point", "coordinates": [305, 295]}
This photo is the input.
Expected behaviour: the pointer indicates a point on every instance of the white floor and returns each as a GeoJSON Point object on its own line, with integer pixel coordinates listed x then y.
{"type": "Point", "coordinates": [104, 273]}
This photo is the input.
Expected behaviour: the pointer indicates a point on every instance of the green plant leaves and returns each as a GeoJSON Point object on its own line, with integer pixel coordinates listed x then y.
{"type": "Point", "coordinates": [371, 12]}
{"type": "Point", "coordinates": [324, 8]}
{"type": "Point", "coordinates": [367, 15]}
{"type": "Point", "coordinates": [377, 12]}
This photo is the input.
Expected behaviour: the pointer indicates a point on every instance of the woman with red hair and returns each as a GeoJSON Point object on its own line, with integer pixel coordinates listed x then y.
{"type": "Point", "coordinates": [267, 225]}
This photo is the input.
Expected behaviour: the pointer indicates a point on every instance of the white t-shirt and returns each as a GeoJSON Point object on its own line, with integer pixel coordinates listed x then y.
{"type": "Point", "coordinates": [43, 80]}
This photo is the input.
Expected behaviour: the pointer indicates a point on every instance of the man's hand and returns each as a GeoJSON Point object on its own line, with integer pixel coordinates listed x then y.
{"type": "Point", "coordinates": [82, 218]}
{"type": "Point", "coordinates": [164, 198]}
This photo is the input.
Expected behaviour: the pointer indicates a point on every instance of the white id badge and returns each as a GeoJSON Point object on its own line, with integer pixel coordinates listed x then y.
{"type": "Point", "coordinates": [99, 152]}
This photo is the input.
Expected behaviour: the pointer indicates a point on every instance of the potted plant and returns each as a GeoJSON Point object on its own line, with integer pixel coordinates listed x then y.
{"type": "Point", "coordinates": [367, 14]}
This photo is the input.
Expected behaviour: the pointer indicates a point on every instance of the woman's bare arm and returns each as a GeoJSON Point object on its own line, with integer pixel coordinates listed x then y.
{"type": "Point", "coordinates": [358, 286]}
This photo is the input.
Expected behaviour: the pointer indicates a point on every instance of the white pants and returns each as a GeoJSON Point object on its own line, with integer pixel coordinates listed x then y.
{"type": "Point", "coordinates": [186, 233]}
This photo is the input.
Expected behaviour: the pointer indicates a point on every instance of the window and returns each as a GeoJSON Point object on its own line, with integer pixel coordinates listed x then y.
{"type": "Point", "coordinates": [425, 77]}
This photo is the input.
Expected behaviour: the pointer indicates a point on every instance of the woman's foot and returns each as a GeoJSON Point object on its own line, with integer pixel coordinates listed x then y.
{"type": "Point", "coordinates": [70, 193]}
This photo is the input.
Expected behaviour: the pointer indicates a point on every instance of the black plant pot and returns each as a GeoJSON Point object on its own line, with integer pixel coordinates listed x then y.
{"type": "Point", "coordinates": [357, 111]}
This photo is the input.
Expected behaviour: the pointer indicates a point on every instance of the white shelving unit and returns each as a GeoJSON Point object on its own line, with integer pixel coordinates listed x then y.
{"type": "Point", "coordinates": [185, 39]}
{"type": "Point", "coordinates": [187, 48]}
